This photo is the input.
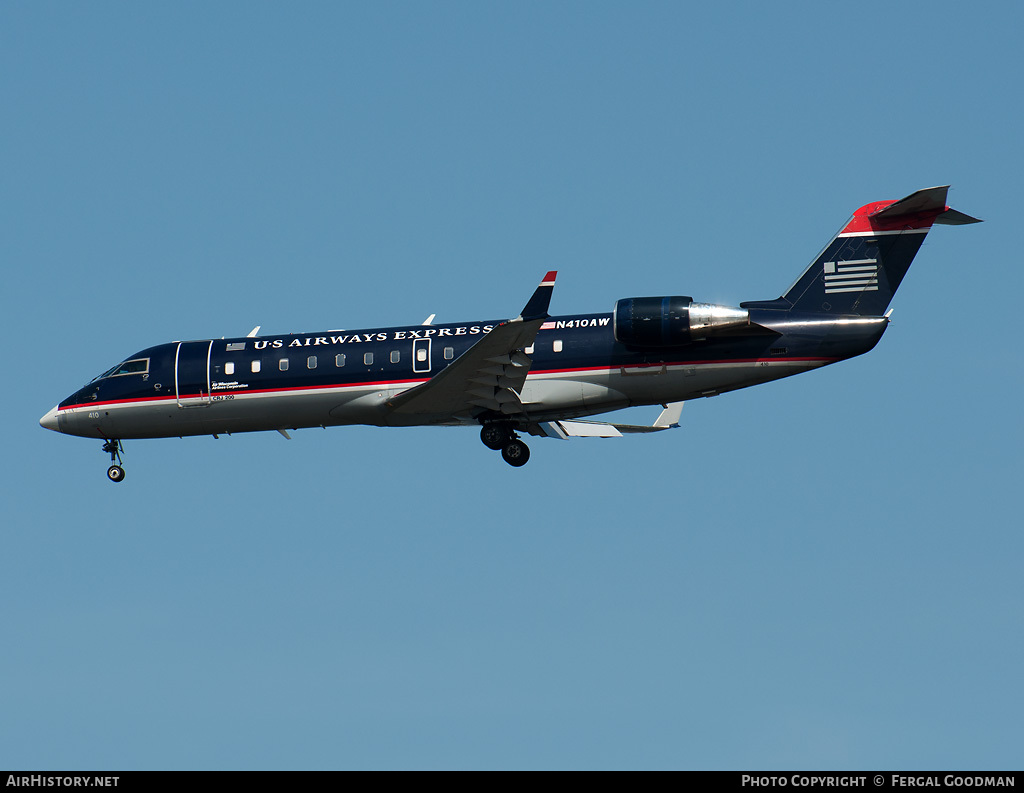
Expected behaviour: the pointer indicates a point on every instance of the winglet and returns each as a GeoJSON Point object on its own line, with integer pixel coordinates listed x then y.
{"type": "Point", "coordinates": [669, 418]}
{"type": "Point", "coordinates": [537, 308]}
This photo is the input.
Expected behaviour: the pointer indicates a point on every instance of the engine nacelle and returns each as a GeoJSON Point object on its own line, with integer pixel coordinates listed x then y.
{"type": "Point", "coordinates": [673, 321]}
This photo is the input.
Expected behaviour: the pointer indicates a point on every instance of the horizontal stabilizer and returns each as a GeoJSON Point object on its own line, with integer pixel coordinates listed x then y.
{"type": "Point", "coordinates": [923, 202]}
{"type": "Point", "coordinates": [931, 199]}
{"type": "Point", "coordinates": [953, 218]}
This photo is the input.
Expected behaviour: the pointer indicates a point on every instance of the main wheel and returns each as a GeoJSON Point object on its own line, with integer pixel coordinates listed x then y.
{"type": "Point", "coordinates": [516, 453]}
{"type": "Point", "coordinates": [115, 473]}
{"type": "Point", "coordinates": [494, 436]}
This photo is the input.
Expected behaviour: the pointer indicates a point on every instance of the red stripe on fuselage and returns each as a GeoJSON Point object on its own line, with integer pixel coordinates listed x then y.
{"type": "Point", "coordinates": [380, 383]}
{"type": "Point", "coordinates": [369, 383]}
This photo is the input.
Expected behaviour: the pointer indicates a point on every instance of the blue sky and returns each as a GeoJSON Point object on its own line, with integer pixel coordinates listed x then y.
{"type": "Point", "coordinates": [822, 572]}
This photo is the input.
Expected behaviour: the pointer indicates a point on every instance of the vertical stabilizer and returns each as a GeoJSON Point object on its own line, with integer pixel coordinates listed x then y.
{"type": "Point", "coordinates": [860, 270]}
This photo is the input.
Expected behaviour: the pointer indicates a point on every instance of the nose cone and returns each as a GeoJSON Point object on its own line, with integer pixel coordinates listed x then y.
{"type": "Point", "coordinates": [49, 421]}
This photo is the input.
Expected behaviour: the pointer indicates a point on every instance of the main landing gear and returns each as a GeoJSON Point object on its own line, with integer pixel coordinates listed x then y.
{"type": "Point", "coordinates": [115, 473]}
{"type": "Point", "coordinates": [501, 436]}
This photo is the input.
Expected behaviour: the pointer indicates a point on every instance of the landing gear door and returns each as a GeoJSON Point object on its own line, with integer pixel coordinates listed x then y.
{"type": "Point", "coordinates": [421, 355]}
{"type": "Point", "coordinates": [192, 373]}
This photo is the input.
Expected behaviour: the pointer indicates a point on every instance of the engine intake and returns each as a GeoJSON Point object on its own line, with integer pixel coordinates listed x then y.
{"type": "Point", "coordinates": [673, 321]}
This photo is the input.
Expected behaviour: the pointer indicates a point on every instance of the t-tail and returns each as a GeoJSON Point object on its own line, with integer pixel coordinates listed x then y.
{"type": "Point", "coordinates": [862, 267]}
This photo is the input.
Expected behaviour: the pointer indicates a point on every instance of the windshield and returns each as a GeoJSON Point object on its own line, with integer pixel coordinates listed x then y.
{"type": "Point", "coordinates": [134, 366]}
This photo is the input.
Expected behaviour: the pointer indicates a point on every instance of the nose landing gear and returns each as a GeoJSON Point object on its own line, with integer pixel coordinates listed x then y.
{"type": "Point", "coordinates": [501, 437]}
{"type": "Point", "coordinates": [115, 473]}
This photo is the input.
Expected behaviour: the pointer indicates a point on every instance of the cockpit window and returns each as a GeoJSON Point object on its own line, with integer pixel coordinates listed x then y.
{"type": "Point", "coordinates": [136, 366]}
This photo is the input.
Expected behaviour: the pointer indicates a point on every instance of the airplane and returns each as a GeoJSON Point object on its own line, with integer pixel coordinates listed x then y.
{"type": "Point", "coordinates": [536, 374]}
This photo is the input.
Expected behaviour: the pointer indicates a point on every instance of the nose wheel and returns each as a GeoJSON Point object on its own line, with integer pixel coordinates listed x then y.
{"type": "Point", "coordinates": [501, 437]}
{"type": "Point", "coordinates": [115, 473]}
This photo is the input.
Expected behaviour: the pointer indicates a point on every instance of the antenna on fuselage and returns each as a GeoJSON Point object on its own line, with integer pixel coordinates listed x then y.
{"type": "Point", "coordinates": [429, 320]}
{"type": "Point", "coordinates": [252, 332]}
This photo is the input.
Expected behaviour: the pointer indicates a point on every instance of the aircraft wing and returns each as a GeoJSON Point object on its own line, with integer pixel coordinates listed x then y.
{"type": "Point", "coordinates": [489, 375]}
{"type": "Point", "coordinates": [581, 428]}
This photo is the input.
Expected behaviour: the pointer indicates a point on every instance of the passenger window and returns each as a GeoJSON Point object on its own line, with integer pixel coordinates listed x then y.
{"type": "Point", "coordinates": [339, 359]}
{"type": "Point", "coordinates": [557, 346]}
{"type": "Point", "coordinates": [311, 362]}
{"type": "Point", "coordinates": [529, 350]}
{"type": "Point", "coordinates": [396, 356]}
{"type": "Point", "coordinates": [449, 353]}
{"type": "Point", "coordinates": [368, 358]}
{"type": "Point", "coordinates": [229, 367]}
{"type": "Point", "coordinates": [255, 366]}
{"type": "Point", "coordinates": [283, 364]}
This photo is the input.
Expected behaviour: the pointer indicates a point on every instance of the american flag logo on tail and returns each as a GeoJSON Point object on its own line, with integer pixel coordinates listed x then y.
{"type": "Point", "coordinates": [856, 275]}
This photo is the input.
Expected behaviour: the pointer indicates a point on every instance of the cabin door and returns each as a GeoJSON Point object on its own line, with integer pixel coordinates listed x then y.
{"type": "Point", "coordinates": [192, 373]}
